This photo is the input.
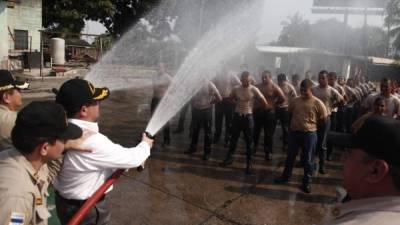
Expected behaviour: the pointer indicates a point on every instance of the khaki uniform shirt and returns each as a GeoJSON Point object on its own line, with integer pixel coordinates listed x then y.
{"type": "Point", "coordinates": [306, 113]}
{"type": "Point", "coordinates": [392, 104]}
{"type": "Point", "coordinates": [341, 91]}
{"type": "Point", "coordinates": [370, 211]}
{"type": "Point", "coordinates": [244, 98]}
{"type": "Point", "coordinates": [7, 121]}
{"type": "Point", "coordinates": [23, 191]}
{"type": "Point", "coordinates": [352, 96]}
{"type": "Point", "coordinates": [329, 96]}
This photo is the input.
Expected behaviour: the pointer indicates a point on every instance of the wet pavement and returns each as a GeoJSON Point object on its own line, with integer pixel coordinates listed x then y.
{"type": "Point", "coordinates": [179, 189]}
{"type": "Point", "coordinates": [183, 189]}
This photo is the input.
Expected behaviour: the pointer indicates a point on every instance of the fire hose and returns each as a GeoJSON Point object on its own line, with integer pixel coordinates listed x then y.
{"type": "Point", "coordinates": [90, 202]}
{"type": "Point", "coordinates": [95, 198]}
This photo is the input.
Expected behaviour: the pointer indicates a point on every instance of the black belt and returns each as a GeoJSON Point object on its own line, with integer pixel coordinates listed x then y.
{"type": "Point", "coordinates": [243, 114]}
{"type": "Point", "coordinates": [75, 201]}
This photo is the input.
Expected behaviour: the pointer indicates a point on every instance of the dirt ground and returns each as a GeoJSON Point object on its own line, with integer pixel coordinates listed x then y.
{"type": "Point", "coordinates": [180, 189]}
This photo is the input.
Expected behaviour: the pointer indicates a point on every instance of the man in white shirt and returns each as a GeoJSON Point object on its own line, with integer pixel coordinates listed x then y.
{"type": "Point", "coordinates": [83, 173]}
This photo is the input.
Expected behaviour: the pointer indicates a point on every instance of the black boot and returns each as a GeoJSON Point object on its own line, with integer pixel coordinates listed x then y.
{"type": "Point", "coordinates": [249, 167]}
{"type": "Point", "coordinates": [227, 161]}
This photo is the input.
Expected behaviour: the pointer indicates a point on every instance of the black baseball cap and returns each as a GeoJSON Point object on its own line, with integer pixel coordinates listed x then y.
{"type": "Point", "coordinates": [45, 119]}
{"type": "Point", "coordinates": [76, 92]}
{"type": "Point", "coordinates": [8, 82]}
{"type": "Point", "coordinates": [379, 136]}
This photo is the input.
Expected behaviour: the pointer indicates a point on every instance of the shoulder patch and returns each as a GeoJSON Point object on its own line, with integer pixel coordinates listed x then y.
{"type": "Point", "coordinates": [17, 218]}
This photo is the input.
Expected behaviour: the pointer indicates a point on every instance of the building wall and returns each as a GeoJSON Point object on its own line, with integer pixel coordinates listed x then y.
{"type": "Point", "coordinates": [26, 15]}
{"type": "Point", "coordinates": [3, 36]}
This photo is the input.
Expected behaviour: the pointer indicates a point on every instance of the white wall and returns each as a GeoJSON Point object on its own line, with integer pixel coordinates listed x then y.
{"type": "Point", "coordinates": [27, 15]}
{"type": "Point", "coordinates": [3, 36]}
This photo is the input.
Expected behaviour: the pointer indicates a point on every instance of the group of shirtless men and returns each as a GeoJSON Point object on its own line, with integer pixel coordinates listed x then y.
{"type": "Point", "coordinates": [306, 110]}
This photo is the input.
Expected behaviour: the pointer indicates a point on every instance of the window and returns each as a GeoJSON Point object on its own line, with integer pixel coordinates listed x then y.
{"type": "Point", "coordinates": [21, 39]}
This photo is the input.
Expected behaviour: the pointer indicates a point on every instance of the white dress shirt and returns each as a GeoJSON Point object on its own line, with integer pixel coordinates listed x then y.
{"type": "Point", "coordinates": [82, 173]}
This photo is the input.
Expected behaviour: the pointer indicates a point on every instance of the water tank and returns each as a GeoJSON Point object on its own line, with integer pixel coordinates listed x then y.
{"type": "Point", "coordinates": [58, 51]}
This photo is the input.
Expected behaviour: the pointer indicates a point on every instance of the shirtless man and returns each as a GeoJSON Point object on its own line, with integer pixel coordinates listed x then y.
{"type": "Point", "coordinates": [243, 96]}
{"type": "Point", "coordinates": [331, 99]}
{"type": "Point", "coordinates": [282, 113]}
{"type": "Point", "coordinates": [224, 82]}
{"type": "Point", "coordinates": [296, 83]}
{"type": "Point", "coordinates": [265, 118]}
{"type": "Point", "coordinates": [202, 117]}
{"type": "Point", "coordinates": [160, 85]}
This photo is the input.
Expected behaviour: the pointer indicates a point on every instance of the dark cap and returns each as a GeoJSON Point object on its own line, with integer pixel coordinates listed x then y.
{"type": "Point", "coordinates": [76, 92]}
{"type": "Point", "coordinates": [45, 119]}
{"type": "Point", "coordinates": [8, 82]}
{"type": "Point", "coordinates": [379, 136]}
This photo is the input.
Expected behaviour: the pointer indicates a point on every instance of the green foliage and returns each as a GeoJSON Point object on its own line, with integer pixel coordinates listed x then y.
{"type": "Point", "coordinates": [70, 15]}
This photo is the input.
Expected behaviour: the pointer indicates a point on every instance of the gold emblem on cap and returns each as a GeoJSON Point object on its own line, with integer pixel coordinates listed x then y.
{"type": "Point", "coordinates": [104, 93]}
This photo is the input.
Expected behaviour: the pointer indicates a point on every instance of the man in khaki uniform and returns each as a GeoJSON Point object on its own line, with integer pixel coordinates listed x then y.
{"type": "Point", "coordinates": [392, 102]}
{"type": "Point", "coordinates": [306, 112]}
{"type": "Point", "coordinates": [39, 135]}
{"type": "Point", "coordinates": [10, 101]}
{"type": "Point", "coordinates": [371, 174]}
{"type": "Point", "coordinates": [331, 99]}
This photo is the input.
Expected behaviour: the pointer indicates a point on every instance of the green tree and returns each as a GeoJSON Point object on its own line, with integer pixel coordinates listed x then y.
{"type": "Point", "coordinates": [296, 32]}
{"type": "Point", "coordinates": [328, 35]}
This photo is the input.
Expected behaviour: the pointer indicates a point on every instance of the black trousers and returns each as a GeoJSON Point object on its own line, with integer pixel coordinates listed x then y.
{"type": "Point", "coordinates": [282, 115]}
{"type": "Point", "coordinates": [341, 119]}
{"type": "Point", "coordinates": [182, 116]}
{"type": "Point", "coordinates": [243, 123]}
{"type": "Point", "coordinates": [265, 120]}
{"type": "Point", "coordinates": [334, 125]}
{"type": "Point", "coordinates": [202, 118]}
{"type": "Point", "coordinates": [322, 134]}
{"type": "Point", "coordinates": [99, 214]}
{"type": "Point", "coordinates": [223, 110]}
{"type": "Point", "coordinates": [153, 106]}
